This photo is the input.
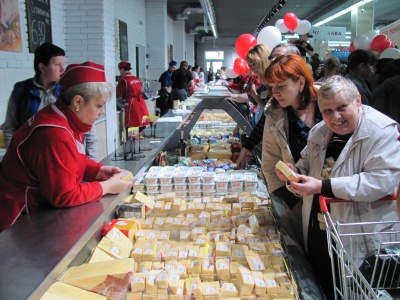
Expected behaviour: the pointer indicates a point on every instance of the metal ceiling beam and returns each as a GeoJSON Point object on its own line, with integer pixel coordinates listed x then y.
{"type": "Point", "coordinates": [208, 7]}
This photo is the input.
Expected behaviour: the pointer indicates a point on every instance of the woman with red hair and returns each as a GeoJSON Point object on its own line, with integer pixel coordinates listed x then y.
{"type": "Point", "coordinates": [290, 114]}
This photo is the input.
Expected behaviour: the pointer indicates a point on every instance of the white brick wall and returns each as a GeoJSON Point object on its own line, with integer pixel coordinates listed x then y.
{"type": "Point", "coordinates": [18, 66]}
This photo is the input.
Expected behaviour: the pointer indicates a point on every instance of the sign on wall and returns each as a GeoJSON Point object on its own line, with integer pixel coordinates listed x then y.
{"type": "Point", "coordinates": [39, 23]}
{"type": "Point", "coordinates": [329, 33]}
{"type": "Point", "coordinates": [10, 26]}
{"type": "Point", "coordinates": [123, 40]}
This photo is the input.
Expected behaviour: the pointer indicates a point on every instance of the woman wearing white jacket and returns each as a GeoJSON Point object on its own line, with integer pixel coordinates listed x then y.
{"type": "Point", "coordinates": [353, 154]}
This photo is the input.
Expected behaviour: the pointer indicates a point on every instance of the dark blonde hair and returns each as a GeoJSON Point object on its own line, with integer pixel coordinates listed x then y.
{"type": "Point", "coordinates": [292, 66]}
{"type": "Point", "coordinates": [259, 54]}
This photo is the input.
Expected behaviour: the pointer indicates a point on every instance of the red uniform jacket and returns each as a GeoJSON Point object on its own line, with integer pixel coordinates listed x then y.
{"type": "Point", "coordinates": [130, 88]}
{"type": "Point", "coordinates": [46, 163]}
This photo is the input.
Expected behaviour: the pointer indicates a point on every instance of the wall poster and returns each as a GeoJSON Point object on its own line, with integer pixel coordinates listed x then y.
{"type": "Point", "coordinates": [123, 40]}
{"type": "Point", "coordinates": [10, 26]}
{"type": "Point", "coordinates": [39, 23]}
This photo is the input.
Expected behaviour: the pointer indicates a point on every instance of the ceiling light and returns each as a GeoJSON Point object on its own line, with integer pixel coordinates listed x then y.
{"type": "Point", "coordinates": [354, 6]}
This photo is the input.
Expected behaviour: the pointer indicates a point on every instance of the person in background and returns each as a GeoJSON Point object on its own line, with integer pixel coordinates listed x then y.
{"type": "Point", "coordinates": [354, 155]}
{"type": "Point", "coordinates": [238, 83]}
{"type": "Point", "coordinates": [164, 102]}
{"type": "Point", "coordinates": [33, 94]}
{"type": "Point", "coordinates": [46, 161]}
{"type": "Point", "coordinates": [195, 74]}
{"type": "Point", "coordinates": [303, 45]}
{"type": "Point", "coordinates": [385, 97]}
{"type": "Point", "coordinates": [256, 134]}
{"type": "Point", "coordinates": [360, 67]}
{"type": "Point", "coordinates": [315, 66]}
{"type": "Point", "coordinates": [290, 115]}
{"type": "Point", "coordinates": [182, 80]}
{"type": "Point", "coordinates": [201, 76]}
{"type": "Point", "coordinates": [379, 66]}
{"type": "Point", "coordinates": [129, 88]}
{"type": "Point", "coordinates": [210, 75]}
{"type": "Point", "coordinates": [342, 69]}
{"type": "Point", "coordinates": [331, 67]}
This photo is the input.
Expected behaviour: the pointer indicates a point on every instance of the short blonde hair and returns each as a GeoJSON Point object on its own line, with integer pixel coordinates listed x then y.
{"type": "Point", "coordinates": [338, 85]}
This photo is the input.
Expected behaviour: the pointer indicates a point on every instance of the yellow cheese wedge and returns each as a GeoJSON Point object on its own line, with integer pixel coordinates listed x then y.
{"type": "Point", "coordinates": [138, 283]}
{"type": "Point", "coordinates": [113, 249]}
{"type": "Point", "coordinates": [62, 291]}
{"type": "Point", "coordinates": [228, 289]}
{"type": "Point", "coordinates": [88, 276]}
{"type": "Point", "coordinates": [117, 237]}
{"type": "Point", "coordinates": [281, 166]}
{"type": "Point", "coordinates": [99, 255]}
{"type": "Point", "coordinates": [140, 197]}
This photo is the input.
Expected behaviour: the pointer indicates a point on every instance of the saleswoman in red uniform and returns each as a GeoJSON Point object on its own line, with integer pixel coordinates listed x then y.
{"type": "Point", "coordinates": [130, 88]}
{"type": "Point", "coordinates": [46, 161]}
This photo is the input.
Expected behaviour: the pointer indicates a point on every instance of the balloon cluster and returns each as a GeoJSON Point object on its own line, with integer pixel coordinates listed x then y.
{"type": "Point", "coordinates": [292, 23]}
{"type": "Point", "coordinates": [381, 43]}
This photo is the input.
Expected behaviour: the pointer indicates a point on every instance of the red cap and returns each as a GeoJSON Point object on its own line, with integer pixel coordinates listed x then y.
{"type": "Point", "coordinates": [82, 73]}
{"type": "Point", "coordinates": [124, 64]}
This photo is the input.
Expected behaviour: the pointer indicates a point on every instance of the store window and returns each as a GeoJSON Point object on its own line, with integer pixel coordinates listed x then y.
{"type": "Point", "coordinates": [214, 59]}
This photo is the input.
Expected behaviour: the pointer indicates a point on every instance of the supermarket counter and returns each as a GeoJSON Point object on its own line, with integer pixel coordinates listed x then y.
{"type": "Point", "coordinates": [41, 246]}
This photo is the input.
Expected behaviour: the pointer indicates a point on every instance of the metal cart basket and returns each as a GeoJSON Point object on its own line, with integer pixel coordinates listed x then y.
{"type": "Point", "coordinates": [350, 280]}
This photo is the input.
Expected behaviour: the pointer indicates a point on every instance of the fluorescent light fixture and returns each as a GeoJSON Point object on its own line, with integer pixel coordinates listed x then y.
{"type": "Point", "coordinates": [350, 8]}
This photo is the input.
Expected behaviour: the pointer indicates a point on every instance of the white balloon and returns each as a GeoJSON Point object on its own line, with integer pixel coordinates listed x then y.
{"type": "Point", "coordinates": [390, 53]}
{"type": "Point", "coordinates": [362, 42]}
{"type": "Point", "coordinates": [371, 34]}
{"type": "Point", "coordinates": [281, 26]}
{"type": "Point", "coordinates": [230, 73]}
{"type": "Point", "coordinates": [303, 27]}
{"type": "Point", "coordinates": [270, 36]}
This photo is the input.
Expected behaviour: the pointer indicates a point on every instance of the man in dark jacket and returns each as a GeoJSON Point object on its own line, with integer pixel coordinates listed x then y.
{"type": "Point", "coordinates": [181, 81]}
{"type": "Point", "coordinates": [164, 102]}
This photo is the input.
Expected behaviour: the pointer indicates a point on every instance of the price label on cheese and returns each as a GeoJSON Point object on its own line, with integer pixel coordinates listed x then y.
{"type": "Point", "coordinates": [223, 265]}
{"type": "Point", "coordinates": [148, 251]}
{"type": "Point", "coordinates": [114, 250]}
{"type": "Point", "coordinates": [210, 290]}
{"type": "Point", "coordinates": [163, 236]}
{"type": "Point", "coordinates": [183, 254]}
{"type": "Point", "coordinates": [121, 223]}
{"type": "Point", "coordinates": [152, 235]}
{"type": "Point", "coordinates": [159, 222]}
{"type": "Point", "coordinates": [140, 233]}
{"type": "Point", "coordinates": [137, 250]}
{"type": "Point", "coordinates": [259, 281]}
{"type": "Point", "coordinates": [193, 253]}
{"type": "Point", "coordinates": [138, 279]}
{"type": "Point", "coordinates": [115, 234]}
{"type": "Point", "coordinates": [230, 287]}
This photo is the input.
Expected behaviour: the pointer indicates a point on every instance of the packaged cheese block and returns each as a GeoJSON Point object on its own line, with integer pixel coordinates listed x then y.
{"type": "Point", "coordinates": [127, 227]}
{"type": "Point", "coordinates": [163, 235]}
{"type": "Point", "coordinates": [145, 267]}
{"type": "Point", "coordinates": [260, 287]}
{"type": "Point", "coordinates": [210, 289]}
{"type": "Point", "coordinates": [151, 287]}
{"type": "Point", "coordinates": [254, 261]}
{"type": "Point", "coordinates": [89, 276]}
{"type": "Point", "coordinates": [284, 282]}
{"type": "Point", "coordinates": [194, 267]}
{"type": "Point", "coordinates": [113, 249]}
{"type": "Point", "coordinates": [238, 253]}
{"type": "Point", "coordinates": [258, 247]}
{"type": "Point", "coordinates": [162, 280]}
{"type": "Point", "coordinates": [138, 283]}
{"type": "Point", "coordinates": [292, 176]}
{"type": "Point", "coordinates": [223, 249]}
{"type": "Point", "coordinates": [62, 291]}
{"type": "Point", "coordinates": [193, 286]}
{"type": "Point", "coordinates": [222, 267]}
{"type": "Point", "coordinates": [117, 237]}
{"type": "Point", "coordinates": [140, 197]}
{"type": "Point", "coordinates": [99, 255]}
{"type": "Point", "coordinates": [134, 296]}
{"type": "Point", "coordinates": [127, 175]}
{"type": "Point", "coordinates": [246, 281]}
{"type": "Point", "coordinates": [177, 287]}
{"type": "Point", "coordinates": [181, 266]}
{"type": "Point", "coordinates": [228, 289]}
{"type": "Point", "coordinates": [272, 286]}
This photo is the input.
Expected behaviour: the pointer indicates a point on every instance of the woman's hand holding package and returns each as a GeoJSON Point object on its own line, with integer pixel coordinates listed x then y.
{"type": "Point", "coordinates": [106, 172]}
{"type": "Point", "coordinates": [115, 184]}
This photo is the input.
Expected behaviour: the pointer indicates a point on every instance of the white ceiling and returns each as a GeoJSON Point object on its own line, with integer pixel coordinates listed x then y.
{"type": "Point", "coordinates": [236, 17]}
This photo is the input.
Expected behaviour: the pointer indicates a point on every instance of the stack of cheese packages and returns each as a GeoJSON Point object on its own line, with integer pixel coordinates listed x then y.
{"type": "Point", "coordinates": [208, 248]}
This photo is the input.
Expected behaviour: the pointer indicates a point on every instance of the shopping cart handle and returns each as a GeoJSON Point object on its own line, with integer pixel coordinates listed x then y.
{"type": "Point", "coordinates": [324, 201]}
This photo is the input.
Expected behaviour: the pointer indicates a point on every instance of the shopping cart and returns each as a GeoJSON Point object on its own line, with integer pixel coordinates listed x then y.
{"type": "Point", "coordinates": [349, 281]}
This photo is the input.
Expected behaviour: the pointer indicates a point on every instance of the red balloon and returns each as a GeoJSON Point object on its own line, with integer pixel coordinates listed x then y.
{"type": "Point", "coordinates": [244, 43]}
{"type": "Point", "coordinates": [240, 66]}
{"type": "Point", "coordinates": [352, 48]}
{"type": "Point", "coordinates": [380, 43]}
{"type": "Point", "coordinates": [290, 21]}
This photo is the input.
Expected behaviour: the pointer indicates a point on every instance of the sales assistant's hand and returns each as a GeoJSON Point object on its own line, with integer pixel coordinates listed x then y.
{"type": "Point", "coordinates": [306, 186]}
{"type": "Point", "coordinates": [280, 174]}
{"type": "Point", "coordinates": [115, 184]}
{"type": "Point", "coordinates": [241, 160]}
{"type": "Point", "coordinates": [106, 172]}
